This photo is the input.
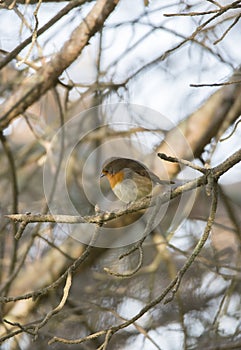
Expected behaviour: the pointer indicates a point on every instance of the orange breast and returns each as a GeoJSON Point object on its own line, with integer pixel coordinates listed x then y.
{"type": "Point", "coordinates": [115, 178]}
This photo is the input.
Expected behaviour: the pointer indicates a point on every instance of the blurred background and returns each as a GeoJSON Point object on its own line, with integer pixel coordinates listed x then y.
{"type": "Point", "coordinates": [152, 76]}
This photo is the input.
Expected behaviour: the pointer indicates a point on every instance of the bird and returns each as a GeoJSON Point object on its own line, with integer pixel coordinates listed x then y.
{"type": "Point", "coordinates": [129, 179]}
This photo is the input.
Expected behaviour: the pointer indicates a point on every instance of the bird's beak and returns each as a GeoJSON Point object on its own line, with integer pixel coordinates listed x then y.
{"type": "Point", "coordinates": [102, 175]}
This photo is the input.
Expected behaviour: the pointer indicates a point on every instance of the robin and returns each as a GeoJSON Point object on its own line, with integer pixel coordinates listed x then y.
{"type": "Point", "coordinates": [130, 180]}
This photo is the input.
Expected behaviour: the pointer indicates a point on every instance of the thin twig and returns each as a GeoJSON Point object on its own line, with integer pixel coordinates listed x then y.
{"type": "Point", "coordinates": [53, 312]}
{"type": "Point", "coordinates": [232, 132]}
{"type": "Point", "coordinates": [35, 86]}
{"type": "Point", "coordinates": [51, 244]}
{"type": "Point", "coordinates": [220, 11]}
{"type": "Point", "coordinates": [71, 269]}
{"type": "Point", "coordinates": [182, 161]}
{"type": "Point", "coordinates": [22, 328]}
{"type": "Point", "coordinates": [128, 273]}
{"type": "Point", "coordinates": [216, 84]}
{"type": "Point", "coordinates": [70, 6]}
{"type": "Point", "coordinates": [15, 192]}
{"type": "Point", "coordinates": [148, 228]}
{"type": "Point", "coordinates": [77, 341]}
{"type": "Point", "coordinates": [18, 266]}
{"type": "Point", "coordinates": [200, 243]}
{"type": "Point", "coordinates": [34, 34]}
{"type": "Point", "coordinates": [227, 30]}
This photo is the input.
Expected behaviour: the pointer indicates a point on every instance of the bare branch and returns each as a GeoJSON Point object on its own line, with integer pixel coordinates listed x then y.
{"type": "Point", "coordinates": [47, 76]}
{"type": "Point", "coordinates": [173, 286]}
{"type": "Point", "coordinates": [53, 312]}
{"type": "Point", "coordinates": [200, 243]}
{"type": "Point", "coordinates": [144, 203]}
{"type": "Point", "coordinates": [70, 6]}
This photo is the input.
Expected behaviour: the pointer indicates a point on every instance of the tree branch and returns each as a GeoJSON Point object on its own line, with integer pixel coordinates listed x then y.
{"type": "Point", "coordinates": [144, 203]}
{"type": "Point", "coordinates": [70, 6]}
{"type": "Point", "coordinates": [34, 87]}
